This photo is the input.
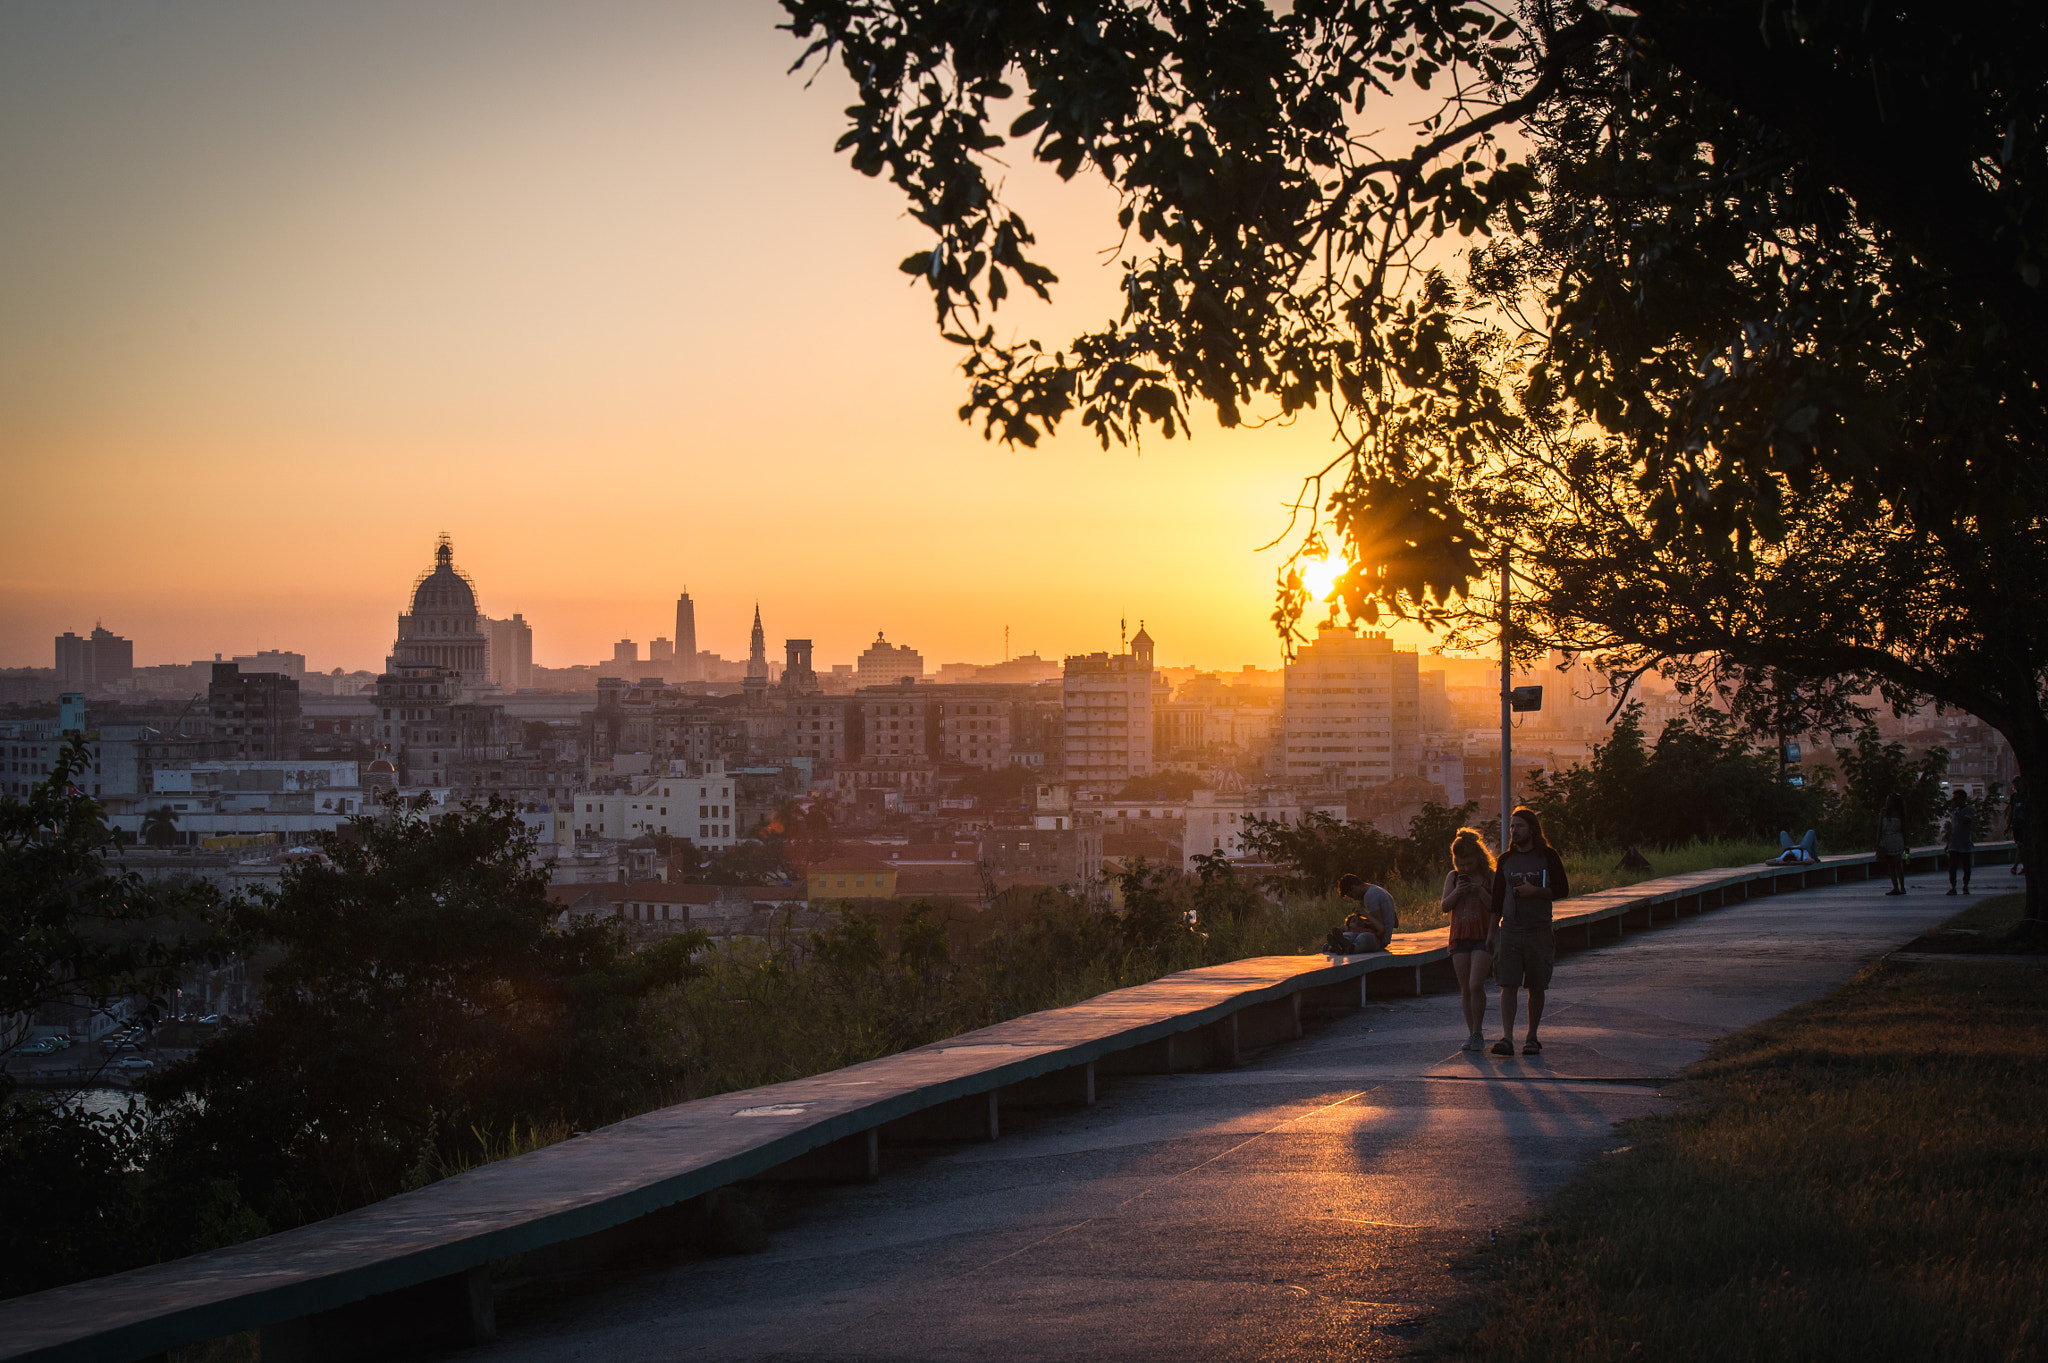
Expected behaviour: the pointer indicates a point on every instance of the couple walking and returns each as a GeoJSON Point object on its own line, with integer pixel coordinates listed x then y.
{"type": "Point", "coordinates": [1500, 915]}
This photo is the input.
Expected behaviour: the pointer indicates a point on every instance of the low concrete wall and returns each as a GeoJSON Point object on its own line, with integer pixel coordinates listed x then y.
{"type": "Point", "coordinates": [408, 1272]}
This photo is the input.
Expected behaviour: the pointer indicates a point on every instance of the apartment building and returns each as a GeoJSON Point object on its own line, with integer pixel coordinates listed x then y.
{"type": "Point", "coordinates": [1350, 710]}
{"type": "Point", "coordinates": [1107, 701]}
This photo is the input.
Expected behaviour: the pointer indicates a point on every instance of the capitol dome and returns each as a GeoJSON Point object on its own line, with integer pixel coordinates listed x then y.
{"type": "Point", "coordinates": [445, 589]}
{"type": "Point", "coordinates": [443, 629]}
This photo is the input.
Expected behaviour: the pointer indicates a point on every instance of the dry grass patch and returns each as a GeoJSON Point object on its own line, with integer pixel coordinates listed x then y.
{"type": "Point", "coordinates": [1862, 1177]}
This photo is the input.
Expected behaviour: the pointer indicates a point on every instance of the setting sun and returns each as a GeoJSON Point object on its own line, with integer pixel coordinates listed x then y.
{"type": "Point", "coordinates": [1320, 575]}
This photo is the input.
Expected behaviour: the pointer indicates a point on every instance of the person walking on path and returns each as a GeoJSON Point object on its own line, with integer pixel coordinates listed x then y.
{"type": "Point", "coordinates": [1372, 927]}
{"type": "Point", "coordinates": [1528, 881]}
{"type": "Point", "coordinates": [1891, 840]}
{"type": "Point", "coordinates": [1958, 840]}
{"type": "Point", "coordinates": [1468, 904]}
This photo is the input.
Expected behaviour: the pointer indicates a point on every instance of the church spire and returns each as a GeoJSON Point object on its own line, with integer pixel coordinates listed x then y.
{"type": "Point", "coordinates": [757, 650]}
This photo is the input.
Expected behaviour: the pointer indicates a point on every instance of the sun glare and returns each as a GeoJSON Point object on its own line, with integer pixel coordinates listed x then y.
{"type": "Point", "coordinates": [1319, 575]}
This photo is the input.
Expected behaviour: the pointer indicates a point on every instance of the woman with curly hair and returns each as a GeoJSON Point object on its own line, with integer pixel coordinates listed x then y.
{"type": "Point", "coordinates": [1468, 904]}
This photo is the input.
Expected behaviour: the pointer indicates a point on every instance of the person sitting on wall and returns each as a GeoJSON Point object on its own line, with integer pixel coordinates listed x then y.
{"type": "Point", "coordinates": [1371, 926]}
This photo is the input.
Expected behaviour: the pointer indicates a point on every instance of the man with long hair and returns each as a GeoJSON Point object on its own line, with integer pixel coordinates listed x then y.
{"type": "Point", "coordinates": [1527, 882]}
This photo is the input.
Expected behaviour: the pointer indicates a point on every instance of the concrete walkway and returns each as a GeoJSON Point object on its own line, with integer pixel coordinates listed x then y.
{"type": "Point", "coordinates": [1304, 1207]}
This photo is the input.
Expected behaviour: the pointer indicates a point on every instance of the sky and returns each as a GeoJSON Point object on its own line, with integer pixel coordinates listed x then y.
{"type": "Point", "coordinates": [287, 289]}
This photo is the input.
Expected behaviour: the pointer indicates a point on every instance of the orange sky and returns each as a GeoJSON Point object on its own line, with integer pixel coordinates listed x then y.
{"type": "Point", "coordinates": [286, 289]}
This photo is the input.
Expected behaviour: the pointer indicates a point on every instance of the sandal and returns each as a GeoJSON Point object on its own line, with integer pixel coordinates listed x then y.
{"type": "Point", "coordinates": [1503, 1047]}
{"type": "Point", "coordinates": [1532, 1048]}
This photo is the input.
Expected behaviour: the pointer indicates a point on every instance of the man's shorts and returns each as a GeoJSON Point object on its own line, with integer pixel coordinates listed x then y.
{"type": "Point", "coordinates": [1525, 958]}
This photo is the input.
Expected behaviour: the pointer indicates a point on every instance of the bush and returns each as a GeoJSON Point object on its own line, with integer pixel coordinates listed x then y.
{"type": "Point", "coordinates": [422, 995]}
{"type": "Point", "coordinates": [1702, 780]}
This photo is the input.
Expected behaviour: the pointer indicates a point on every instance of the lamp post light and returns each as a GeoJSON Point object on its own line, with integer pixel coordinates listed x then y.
{"type": "Point", "coordinates": [1507, 730]}
{"type": "Point", "coordinates": [1513, 700]}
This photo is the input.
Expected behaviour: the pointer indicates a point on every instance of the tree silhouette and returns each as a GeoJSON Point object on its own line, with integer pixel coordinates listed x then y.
{"type": "Point", "coordinates": [1752, 372]}
{"type": "Point", "coordinates": [160, 826]}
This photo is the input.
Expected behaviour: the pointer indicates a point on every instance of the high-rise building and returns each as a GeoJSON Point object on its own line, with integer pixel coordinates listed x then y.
{"type": "Point", "coordinates": [691, 669]}
{"type": "Point", "coordinates": [1350, 710]}
{"type": "Point", "coordinates": [624, 652]}
{"type": "Point", "coordinates": [256, 714]}
{"type": "Point", "coordinates": [1107, 701]}
{"type": "Point", "coordinates": [510, 652]}
{"type": "Point", "coordinates": [113, 658]}
{"type": "Point", "coordinates": [443, 629]}
{"type": "Point", "coordinates": [74, 662]}
{"type": "Point", "coordinates": [101, 659]}
{"type": "Point", "coordinates": [660, 650]}
{"type": "Point", "coordinates": [885, 664]}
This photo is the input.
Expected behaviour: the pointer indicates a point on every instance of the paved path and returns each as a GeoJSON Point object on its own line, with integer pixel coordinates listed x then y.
{"type": "Point", "coordinates": [1303, 1207]}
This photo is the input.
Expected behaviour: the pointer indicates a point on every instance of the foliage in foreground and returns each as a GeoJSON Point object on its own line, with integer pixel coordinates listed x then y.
{"type": "Point", "coordinates": [78, 931]}
{"type": "Point", "coordinates": [73, 929]}
{"type": "Point", "coordinates": [423, 993]}
{"type": "Point", "coordinates": [1862, 1177]}
{"type": "Point", "coordinates": [1703, 779]}
{"type": "Point", "coordinates": [866, 987]}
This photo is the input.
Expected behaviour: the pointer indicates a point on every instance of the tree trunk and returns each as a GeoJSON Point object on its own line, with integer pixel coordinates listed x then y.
{"type": "Point", "coordinates": [2030, 749]}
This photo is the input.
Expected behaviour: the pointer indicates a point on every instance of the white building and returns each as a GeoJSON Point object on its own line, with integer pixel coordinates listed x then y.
{"type": "Point", "coordinates": [1350, 711]}
{"type": "Point", "coordinates": [699, 808]}
{"type": "Point", "coordinates": [1107, 717]}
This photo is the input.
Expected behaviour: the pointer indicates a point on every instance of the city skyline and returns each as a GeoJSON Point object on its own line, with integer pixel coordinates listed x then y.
{"type": "Point", "coordinates": [726, 639]}
{"type": "Point", "coordinates": [594, 295]}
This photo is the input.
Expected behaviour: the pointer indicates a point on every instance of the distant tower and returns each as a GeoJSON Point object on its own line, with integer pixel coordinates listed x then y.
{"type": "Point", "coordinates": [797, 674]}
{"type": "Point", "coordinates": [757, 649]}
{"type": "Point", "coordinates": [690, 667]}
{"type": "Point", "coordinates": [1141, 647]}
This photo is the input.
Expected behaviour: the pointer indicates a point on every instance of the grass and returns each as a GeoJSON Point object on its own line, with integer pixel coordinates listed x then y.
{"type": "Point", "coordinates": [1861, 1177]}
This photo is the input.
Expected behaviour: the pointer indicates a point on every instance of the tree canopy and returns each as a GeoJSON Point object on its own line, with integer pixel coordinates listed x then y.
{"type": "Point", "coordinates": [1743, 370]}
{"type": "Point", "coordinates": [421, 996]}
{"type": "Point", "coordinates": [75, 929]}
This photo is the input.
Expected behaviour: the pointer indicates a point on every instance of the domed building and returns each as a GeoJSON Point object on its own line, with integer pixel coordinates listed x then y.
{"type": "Point", "coordinates": [427, 732]}
{"type": "Point", "coordinates": [443, 629]}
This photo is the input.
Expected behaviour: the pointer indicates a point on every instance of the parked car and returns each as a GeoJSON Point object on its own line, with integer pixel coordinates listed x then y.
{"type": "Point", "coordinates": [63, 1041]}
{"type": "Point", "coordinates": [134, 1063]}
{"type": "Point", "coordinates": [42, 1045]}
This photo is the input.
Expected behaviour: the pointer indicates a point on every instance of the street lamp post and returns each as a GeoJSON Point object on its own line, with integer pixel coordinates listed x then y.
{"type": "Point", "coordinates": [1507, 742]}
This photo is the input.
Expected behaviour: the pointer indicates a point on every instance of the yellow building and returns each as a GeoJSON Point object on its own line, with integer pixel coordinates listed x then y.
{"type": "Point", "coordinates": [849, 878]}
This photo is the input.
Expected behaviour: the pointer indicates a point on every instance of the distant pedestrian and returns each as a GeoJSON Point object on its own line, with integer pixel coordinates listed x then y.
{"type": "Point", "coordinates": [1371, 927]}
{"type": "Point", "coordinates": [1468, 904]}
{"type": "Point", "coordinates": [1958, 840]}
{"type": "Point", "coordinates": [2016, 827]}
{"type": "Point", "coordinates": [1528, 881]}
{"type": "Point", "coordinates": [1891, 840]}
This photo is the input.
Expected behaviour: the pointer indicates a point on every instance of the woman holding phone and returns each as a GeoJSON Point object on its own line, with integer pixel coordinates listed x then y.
{"type": "Point", "coordinates": [1468, 904]}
